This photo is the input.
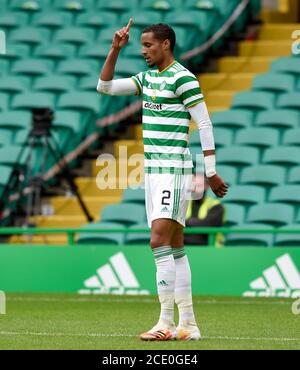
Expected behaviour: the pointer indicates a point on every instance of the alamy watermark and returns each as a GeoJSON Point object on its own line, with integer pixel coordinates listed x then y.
{"type": "Point", "coordinates": [296, 44]}
{"type": "Point", "coordinates": [2, 303]}
{"type": "Point", "coordinates": [127, 171]}
{"type": "Point", "coordinates": [296, 307]}
{"type": "Point", "coordinates": [2, 42]}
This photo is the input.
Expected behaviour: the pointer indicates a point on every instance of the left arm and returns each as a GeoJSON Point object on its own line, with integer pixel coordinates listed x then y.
{"type": "Point", "coordinates": [200, 116]}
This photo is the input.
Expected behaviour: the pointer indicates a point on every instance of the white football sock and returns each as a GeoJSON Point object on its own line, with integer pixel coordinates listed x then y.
{"type": "Point", "coordinates": [183, 287]}
{"type": "Point", "coordinates": [165, 277]}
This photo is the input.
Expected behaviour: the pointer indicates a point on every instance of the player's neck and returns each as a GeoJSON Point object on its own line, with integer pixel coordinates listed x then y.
{"type": "Point", "coordinates": [166, 63]}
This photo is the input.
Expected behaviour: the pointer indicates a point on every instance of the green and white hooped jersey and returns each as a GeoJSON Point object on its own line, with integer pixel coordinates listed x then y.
{"type": "Point", "coordinates": [167, 95]}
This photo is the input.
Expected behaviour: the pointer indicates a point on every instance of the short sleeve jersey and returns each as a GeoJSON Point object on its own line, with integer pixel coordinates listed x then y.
{"type": "Point", "coordinates": [167, 95]}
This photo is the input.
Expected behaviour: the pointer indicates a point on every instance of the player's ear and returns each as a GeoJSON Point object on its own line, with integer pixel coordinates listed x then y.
{"type": "Point", "coordinates": [166, 44]}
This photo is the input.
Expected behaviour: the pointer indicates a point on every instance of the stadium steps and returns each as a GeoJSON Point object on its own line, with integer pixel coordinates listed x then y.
{"type": "Point", "coordinates": [271, 48]}
{"type": "Point", "coordinates": [88, 187]}
{"type": "Point", "coordinates": [277, 31]}
{"type": "Point", "coordinates": [65, 206]}
{"type": "Point", "coordinates": [245, 64]}
{"type": "Point", "coordinates": [224, 81]}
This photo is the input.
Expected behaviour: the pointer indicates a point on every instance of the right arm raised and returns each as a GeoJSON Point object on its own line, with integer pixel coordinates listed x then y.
{"type": "Point", "coordinates": [106, 84]}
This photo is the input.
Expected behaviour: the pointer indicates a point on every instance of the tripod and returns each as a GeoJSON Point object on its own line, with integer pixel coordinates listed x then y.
{"type": "Point", "coordinates": [40, 135]}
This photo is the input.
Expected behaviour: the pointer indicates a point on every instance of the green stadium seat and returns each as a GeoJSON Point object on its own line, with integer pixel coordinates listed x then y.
{"type": "Point", "coordinates": [55, 51]}
{"type": "Point", "coordinates": [9, 155]}
{"type": "Point", "coordinates": [254, 100]}
{"type": "Point", "coordinates": [52, 20]}
{"type": "Point", "coordinates": [291, 137]}
{"type": "Point", "coordinates": [10, 20]}
{"type": "Point", "coordinates": [228, 173]}
{"type": "Point", "coordinates": [16, 51]}
{"type": "Point", "coordinates": [274, 82]}
{"type": "Point", "coordinates": [13, 84]}
{"type": "Point", "coordinates": [274, 214]}
{"type": "Point", "coordinates": [79, 67]}
{"type": "Point", "coordinates": [139, 238]}
{"type": "Point", "coordinates": [107, 34]}
{"type": "Point", "coordinates": [294, 175]}
{"type": "Point", "coordinates": [73, 6]}
{"type": "Point", "coordinates": [70, 120]}
{"type": "Point", "coordinates": [256, 7]}
{"type": "Point", "coordinates": [3, 5]}
{"type": "Point", "coordinates": [32, 100]}
{"type": "Point", "coordinates": [197, 156]}
{"type": "Point", "coordinates": [54, 83]}
{"type": "Point", "coordinates": [235, 214]}
{"type": "Point", "coordinates": [252, 239]}
{"type": "Point", "coordinates": [264, 175]}
{"type": "Point", "coordinates": [3, 67]}
{"type": "Point", "coordinates": [278, 118]}
{"type": "Point", "coordinates": [238, 155]}
{"type": "Point", "coordinates": [289, 101]}
{"type": "Point", "coordinates": [258, 137]}
{"type": "Point", "coordinates": [4, 178]}
{"type": "Point", "coordinates": [15, 121]}
{"type": "Point", "coordinates": [192, 20]}
{"type": "Point", "coordinates": [4, 98]}
{"type": "Point", "coordinates": [142, 19]}
{"type": "Point", "coordinates": [288, 240]}
{"type": "Point", "coordinates": [96, 238]}
{"type": "Point", "coordinates": [127, 67]}
{"type": "Point", "coordinates": [30, 6]}
{"type": "Point", "coordinates": [88, 83]}
{"type": "Point", "coordinates": [288, 65]}
{"type": "Point", "coordinates": [161, 5]}
{"type": "Point", "coordinates": [134, 196]}
{"type": "Point", "coordinates": [80, 101]}
{"type": "Point", "coordinates": [29, 35]}
{"type": "Point", "coordinates": [245, 194]}
{"type": "Point", "coordinates": [127, 214]}
{"type": "Point", "coordinates": [75, 35]}
{"type": "Point", "coordinates": [223, 137]}
{"type": "Point", "coordinates": [33, 67]}
{"type": "Point", "coordinates": [117, 5]}
{"type": "Point", "coordinates": [298, 218]}
{"type": "Point", "coordinates": [233, 118]}
{"type": "Point", "coordinates": [96, 51]}
{"type": "Point", "coordinates": [289, 194]}
{"type": "Point", "coordinates": [133, 51]}
{"type": "Point", "coordinates": [6, 136]}
{"type": "Point", "coordinates": [97, 19]}
{"type": "Point", "coordinates": [282, 155]}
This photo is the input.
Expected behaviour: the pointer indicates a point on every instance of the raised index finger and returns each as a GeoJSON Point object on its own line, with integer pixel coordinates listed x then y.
{"type": "Point", "coordinates": [129, 25]}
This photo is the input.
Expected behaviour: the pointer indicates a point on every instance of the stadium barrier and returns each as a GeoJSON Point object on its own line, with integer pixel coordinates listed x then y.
{"type": "Point", "coordinates": [129, 269]}
{"type": "Point", "coordinates": [211, 231]}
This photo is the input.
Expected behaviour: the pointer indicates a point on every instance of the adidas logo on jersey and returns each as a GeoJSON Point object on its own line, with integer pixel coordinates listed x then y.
{"type": "Point", "coordinates": [280, 280]}
{"type": "Point", "coordinates": [115, 277]}
{"type": "Point", "coordinates": [165, 209]}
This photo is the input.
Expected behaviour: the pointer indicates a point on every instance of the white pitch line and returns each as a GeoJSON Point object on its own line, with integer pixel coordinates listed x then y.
{"type": "Point", "coordinates": [95, 335]}
{"type": "Point", "coordinates": [142, 300]}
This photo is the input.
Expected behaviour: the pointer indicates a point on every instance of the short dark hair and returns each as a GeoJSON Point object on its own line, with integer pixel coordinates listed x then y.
{"type": "Point", "coordinates": [162, 32]}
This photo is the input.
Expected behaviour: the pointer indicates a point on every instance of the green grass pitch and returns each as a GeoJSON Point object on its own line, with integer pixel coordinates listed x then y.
{"type": "Point", "coordinates": [114, 322]}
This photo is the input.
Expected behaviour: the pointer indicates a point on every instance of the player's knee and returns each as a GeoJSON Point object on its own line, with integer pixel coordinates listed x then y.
{"type": "Point", "coordinates": [159, 240]}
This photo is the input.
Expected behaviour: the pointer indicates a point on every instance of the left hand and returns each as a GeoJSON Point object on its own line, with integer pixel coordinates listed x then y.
{"type": "Point", "coordinates": [217, 185]}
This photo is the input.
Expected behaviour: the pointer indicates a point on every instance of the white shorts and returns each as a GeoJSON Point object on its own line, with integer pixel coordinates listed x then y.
{"type": "Point", "coordinates": [167, 196]}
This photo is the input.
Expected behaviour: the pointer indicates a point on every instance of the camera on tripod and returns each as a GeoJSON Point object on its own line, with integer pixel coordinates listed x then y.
{"type": "Point", "coordinates": [32, 179]}
{"type": "Point", "coordinates": [42, 119]}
